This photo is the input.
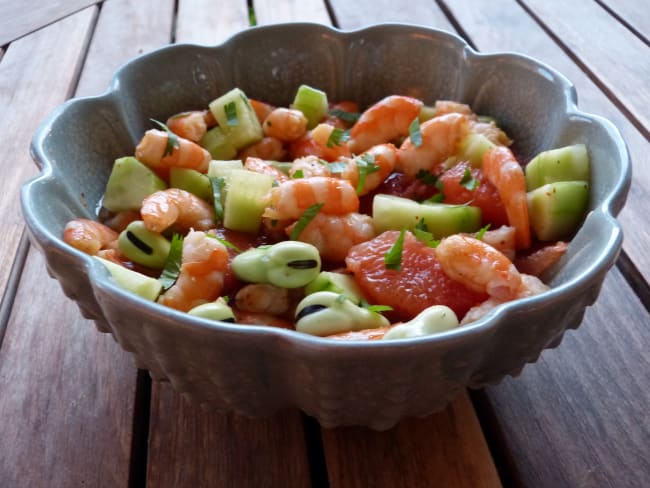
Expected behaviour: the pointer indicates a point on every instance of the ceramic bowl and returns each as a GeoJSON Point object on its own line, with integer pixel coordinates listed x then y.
{"type": "Point", "coordinates": [258, 370]}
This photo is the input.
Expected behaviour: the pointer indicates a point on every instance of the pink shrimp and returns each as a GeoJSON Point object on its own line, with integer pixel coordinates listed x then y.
{"type": "Point", "coordinates": [317, 143]}
{"type": "Point", "coordinates": [175, 206]}
{"type": "Point", "coordinates": [502, 170]}
{"type": "Point", "coordinates": [309, 166]}
{"type": "Point", "coordinates": [539, 260]}
{"type": "Point", "coordinates": [334, 235]}
{"type": "Point", "coordinates": [385, 121]}
{"type": "Point", "coordinates": [290, 199]}
{"type": "Point", "coordinates": [190, 125]}
{"type": "Point", "coordinates": [153, 151]}
{"type": "Point", "coordinates": [261, 109]}
{"type": "Point", "coordinates": [478, 266]}
{"type": "Point", "coordinates": [89, 236]}
{"type": "Point", "coordinates": [502, 239]}
{"type": "Point", "coordinates": [381, 159]}
{"type": "Point", "coordinates": [268, 148]}
{"type": "Point", "coordinates": [443, 107]}
{"type": "Point", "coordinates": [201, 276]}
{"type": "Point", "coordinates": [440, 138]}
{"type": "Point", "coordinates": [285, 124]}
{"type": "Point", "coordinates": [265, 167]}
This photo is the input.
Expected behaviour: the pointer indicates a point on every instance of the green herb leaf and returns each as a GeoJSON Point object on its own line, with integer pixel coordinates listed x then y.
{"type": "Point", "coordinates": [173, 263]}
{"type": "Point", "coordinates": [427, 178]}
{"type": "Point", "coordinates": [298, 174]}
{"type": "Point", "coordinates": [224, 242]}
{"type": "Point", "coordinates": [252, 19]}
{"type": "Point", "coordinates": [230, 109]}
{"type": "Point", "coordinates": [482, 231]}
{"type": "Point", "coordinates": [350, 117]}
{"type": "Point", "coordinates": [306, 217]}
{"type": "Point", "coordinates": [468, 181]}
{"type": "Point", "coordinates": [366, 165]}
{"type": "Point", "coordinates": [422, 225]}
{"type": "Point", "coordinates": [414, 132]}
{"type": "Point", "coordinates": [422, 234]}
{"type": "Point", "coordinates": [337, 167]}
{"type": "Point", "coordinates": [437, 198]}
{"type": "Point", "coordinates": [378, 308]}
{"type": "Point", "coordinates": [337, 137]}
{"type": "Point", "coordinates": [393, 258]}
{"type": "Point", "coordinates": [172, 139]}
{"type": "Point", "coordinates": [218, 184]}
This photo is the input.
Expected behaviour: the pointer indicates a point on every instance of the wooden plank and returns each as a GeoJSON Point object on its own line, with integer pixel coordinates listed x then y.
{"type": "Point", "coordinates": [575, 27]}
{"type": "Point", "coordinates": [579, 416]}
{"type": "Point", "coordinates": [203, 22]}
{"type": "Point", "coordinates": [354, 15]}
{"type": "Point", "coordinates": [273, 12]}
{"type": "Point", "coordinates": [633, 13]}
{"type": "Point", "coordinates": [16, 19]}
{"type": "Point", "coordinates": [445, 449]}
{"type": "Point", "coordinates": [66, 391]}
{"type": "Point", "coordinates": [192, 447]}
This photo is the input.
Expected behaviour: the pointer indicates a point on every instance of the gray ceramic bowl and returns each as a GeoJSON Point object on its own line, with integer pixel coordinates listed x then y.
{"type": "Point", "coordinates": [256, 370]}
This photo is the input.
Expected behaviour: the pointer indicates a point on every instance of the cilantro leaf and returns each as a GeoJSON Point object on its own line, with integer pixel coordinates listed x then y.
{"type": "Point", "coordinates": [393, 258]}
{"type": "Point", "coordinates": [414, 132]}
{"type": "Point", "coordinates": [230, 110]}
{"type": "Point", "coordinates": [366, 165]}
{"type": "Point", "coordinates": [224, 242]}
{"type": "Point", "coordinates": [422, 234]}
{"type": "Point", "coordinates": [482, 231]}
{"type": "Point", "coordinates": [298, 174]}
{"type": "Point", "coordinates": [173, 263]}
{"type": "Point", "coordinates": [426, 177]}
{"type": "Point", "coordinates": [306, 217]}
{"type": "Point", "coordinates": [172, 139]}
{"type": "Point", "coordinates": [468, 181]}
{"type": "Point", "coordinates": [218, 184]}
{"type": "Point", "coordinates": [337, 137]}
{"type": "Point", "coordinates": [378, 308]}
{"type": "Point", "coordinates": [350, 117]}
{"type": "Point", "coordinates": [437, 198]}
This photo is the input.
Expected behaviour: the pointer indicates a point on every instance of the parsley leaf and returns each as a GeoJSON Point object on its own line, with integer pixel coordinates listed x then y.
{"type": "Point", "coordinates": [172, 139]}
{"type": "Point", "coordinates": [173, 263]}
{"type": "Point", "coordinates": [482, 231]}
{"type": "Point", "coordinates": [422, 234]}
{"type": "Point", "coordinates": [366, 165]}
{"type": "Point", "coordinates": [337, 137]}
{"type": "Point", "coordinates": [414, 132]}
{"type": "Point", "coordinates": [468, 181]}
{"type": "Point", "coordinates": [393, 258]}
{"type": "Point", "coordinates": [298, 174]}
{"type": "Point", "coordinates": [306, 217]}
{"type": "Point", "coordinates": [218, 184]}
{"type": "Point", "coordinates": [350, 117]}
{"type": "Point", "coordinates": [230, 110]}
{"type": "Point", "coordinates": [426, 177]}
{"type": "Point", "coordinates": [376, 308]}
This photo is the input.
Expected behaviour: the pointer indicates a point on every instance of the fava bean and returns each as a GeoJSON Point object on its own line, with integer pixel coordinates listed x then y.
{"type": "Point", "coordinates": [432, 320]}
{"type": "Point", "coordinates": [217, 310]}
{"type": "Point", "coordinates": [143, 246]}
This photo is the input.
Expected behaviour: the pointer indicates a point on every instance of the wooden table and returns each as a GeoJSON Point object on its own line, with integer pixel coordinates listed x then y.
{"type": "Point", "coordinates": [75, 411]}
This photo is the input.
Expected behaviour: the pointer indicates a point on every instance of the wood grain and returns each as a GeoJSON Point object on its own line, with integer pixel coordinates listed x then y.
{"type": "Point", "coordinates": [273, 12]}
{"type": "Point", "coordinates": [445, 449]}
{"type": "Point", "coordinates": [357, 14]}
{"type": "Point", "coordinates": [204, 22]}
{"type": "Point", "coordinates": [18, 19]}
{"type": "Point", "coordinates": [66, 393]}
{"type": "Point", "coordinates": [633, 13]}
{"type": "Point", "coordinates": [577, 27]}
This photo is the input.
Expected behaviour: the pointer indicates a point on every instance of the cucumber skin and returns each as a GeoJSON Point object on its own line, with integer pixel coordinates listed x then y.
{"type": "Point", "coordinates": [556, 209]}
{"type": "Point", "coordinates": [129, 183]}
{"type": "Point", "coordinates": [395, 213]}
{"type": "Point", "coordinates": [248, 130]}
{"type": "Point", "coordinates": [568, 163]}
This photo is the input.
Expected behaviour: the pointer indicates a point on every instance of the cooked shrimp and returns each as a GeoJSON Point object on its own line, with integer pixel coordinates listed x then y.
{"type": "Point", "coordinates": [539, 260]}
{"type": "Point", "coordinates": [503, 240]}
{"type": "Point", "coordinates": [261, 109]}
{"type": "Point", "coordinates": [443, 107]}
{"type": "Point", "coordinates": [502, 170]}
{"type": "Point", "coordinates": [491, 132]}
{"type": "Point", "coordinates": [478, 266]}
{"type": "Point", "coordinates": [201, 275]}
{"type": "Point", "coordinates": [190, 125]}
{"type": "Point", "coordinates": [285, 124]}
{"type": "Point", "coordinates": [153, 151]}
{"type": "Point", "coordinates": [334, 235]}
{"type": "Point", "coordinates": [440, 138]}
{"type": "Point", "coordinates": [263, 298]}
{"type": "Point", "coordinates": [268, 148]}
{"type": "Point", "coordinates": [530, 286]}
{"type": "Point", "coordinates": [290, 199]}
{"type": "Point", "coordinates": [381, 160]}
{"type": "Point", "coordinates": [385, 121]}
{"type": "Point", "coordinates": [89, 236]}
{"type": "Point", "coordinates": [309, 166]}
{"type": "Point", "coordinates": [175, 206]}
{"type": "Point", "coordinates": [265, 167]}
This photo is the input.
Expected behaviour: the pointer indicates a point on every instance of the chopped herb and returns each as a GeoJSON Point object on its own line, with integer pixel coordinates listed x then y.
{"type": "Point", "coordinates": [439, 185]}
{"type": "Point", "coordinates": [173, 263]}
{"type": "Point", "coordinates": [482, 231]}
{"type": "Point", "coordinates": [230, 110]}
{"type": "Point", "coordinates": [172, 139]}
{"type": "Point", "coordinates": [350, 117]}
{"type": "Point", "coordinates": [422, 225]}
{"type": "Point", "coordinates": [252, 20]}
{"type": "Point", "coordinates": [468, 181]}
{"type": "Point", "coordinates": [224, 242]}
{"type": "Point", "coordinates": [393, 258]}
{"type": "Point", "coordinates": [414, 132]}
{"type": "Point", "coordinates": [338, 167]}
{"type": "Point", "coordinates": [306, 217]}
{"type": "Point", "coordinates": [422, 234]}
{"type": "Point", "coordinates": [377, 308]}
{"type": "Point", "coordinates": [437, 198]}
{"type": "Point", "coordinates": [366, 165]}
{"type": "Point", "coordinates": [218, 184]}
{"type": "Point", "coordinates": [298, 174]}
{"type": "Point", "coordinates": [426, 177]}
{"type": "Point", "coordinates": [337, 137]}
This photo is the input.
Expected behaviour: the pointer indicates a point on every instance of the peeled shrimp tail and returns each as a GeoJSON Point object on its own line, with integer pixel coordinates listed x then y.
{"type": "Point", "coordinates": [175, 206]}
{"type": "Point", "coordinates": [89, 236]}
{"type": "Point", "coordinates": [153, 151]}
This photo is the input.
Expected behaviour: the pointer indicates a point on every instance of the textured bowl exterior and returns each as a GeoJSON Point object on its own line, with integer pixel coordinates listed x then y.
{"type": "Point", "coordinates": [256, 371]}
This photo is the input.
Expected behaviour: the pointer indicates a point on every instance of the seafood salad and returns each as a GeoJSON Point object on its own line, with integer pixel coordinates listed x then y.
{"type": "Point", "coordinates": [391, 221]}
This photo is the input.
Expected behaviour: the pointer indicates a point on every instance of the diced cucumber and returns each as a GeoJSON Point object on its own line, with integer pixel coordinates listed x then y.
{"type": "Point", "coordinates": [223, 169]}
{"type": "Point", "coordinates": [472, 148]}
{"type": "Point", "coordinates": [237, 118]}
{"type": "Point", "coordinates": [144, 286]}
{"type": "Point", "coordinates": [556, 209]}
{"type": "Point", "coordinates": [312, 103]}
{"type": "Point", "coordinates": [217, 144]}
{"type": "Point", "coordinates": [569, 163]}
{"type": "Point", "coordinates": [395, 213]}
{"type": "Point", "coordinates": [192, 181]}
{"type": "Point", "coordinates": [426, 112]}
{"type": "Point", "coordinates": [130, 181]}
{"type": "Point", "coordinates": [246, 193]}
{"type": "Point", "coordinates": [343, 284]}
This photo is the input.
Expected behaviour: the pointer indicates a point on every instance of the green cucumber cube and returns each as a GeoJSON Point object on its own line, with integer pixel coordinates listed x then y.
{"type": "Point", "coordinates": [246, 200]}
{"type": "Point", "coordinates": [313, 103]}
{"type": "Point", "coordinates": [217, 144]}
{"type": "Point", "coordinates": [569, 163]}
{"type": "Point", "coordinates": [237, 119]}
{"type": "Point", "coordinates": [556, 209]}
{"type": "Point", "coordinates": [129, 183]}
{"type": "Point", "coordinates": [144, 286]}
{"type": "Point", "coordinates": [191, 180]}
